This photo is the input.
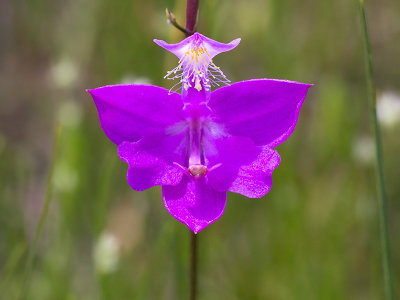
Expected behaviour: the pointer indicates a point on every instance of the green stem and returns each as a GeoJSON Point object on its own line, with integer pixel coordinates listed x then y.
{"type": "Point", "coordinates": [12, 263]}
{"type": "Point", "coordinates": [383, 217]}
{"type": "Point", "coordinates": [192, 7]}
{"type": "Point", "coordinates": [193, 266]}
{"type": "Point", "coordinates": [42, 219]}
{"type": "Point", "coordinates": [172, 21]}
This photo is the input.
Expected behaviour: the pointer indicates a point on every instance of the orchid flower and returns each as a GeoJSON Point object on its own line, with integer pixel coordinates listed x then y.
{"type": "Point", "coordinates": [199, 144]}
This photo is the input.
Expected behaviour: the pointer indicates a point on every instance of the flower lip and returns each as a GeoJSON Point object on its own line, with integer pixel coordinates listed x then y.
{"type": "Point", "coordinates": [195, 68]}
{"type": "Point", "coordinates": [197, 40]}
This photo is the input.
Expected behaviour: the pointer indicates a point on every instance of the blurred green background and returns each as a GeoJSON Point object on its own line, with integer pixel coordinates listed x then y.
{"type": "Point", "coordinates": [314, 236]}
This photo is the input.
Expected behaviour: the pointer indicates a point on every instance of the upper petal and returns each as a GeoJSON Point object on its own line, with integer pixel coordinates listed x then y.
{"type": "Point", "coordinates": [244, 168]}
{"type": "Point", "coordinates": [152, 160]}
{"type": "Point", "coordinates": [194, 203]}
{"type": "Point", "coordinates": [130, 112]}
{"type": "Point", "coordinates": [266, 110]}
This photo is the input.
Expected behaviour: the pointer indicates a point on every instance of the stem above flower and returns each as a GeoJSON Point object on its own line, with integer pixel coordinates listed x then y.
{"type": "Point", "coordinates": [191, 15]}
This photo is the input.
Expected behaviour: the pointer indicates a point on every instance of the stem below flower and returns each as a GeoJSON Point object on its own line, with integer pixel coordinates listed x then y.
{"type": "Point", "coordinates": [191, 20]}
{"type": "Point", "coordinates": [383, 217]}
{"type": "Point", "coordinates": [193, 266]}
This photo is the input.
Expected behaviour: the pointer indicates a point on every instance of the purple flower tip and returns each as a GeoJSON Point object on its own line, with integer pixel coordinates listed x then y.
{"type": "Point", "coordinates": [198, 145]}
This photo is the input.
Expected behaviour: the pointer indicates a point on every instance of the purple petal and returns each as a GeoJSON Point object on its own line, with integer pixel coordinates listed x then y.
{"type": "Point", "coordinates": [197, 40]}
{"type": "Point", "coordinates": [214, 48]}
{"type": "Point", "coordinates": [266, 110]}
{"type": "Point", "coordinates": [178, 49]}
{"type": "Point", "coordinates": [151, 160]}
{"type": "Point", "coordinates": [130, 112]}
{"type": "Point", "coordinates": [244, 167]}
{"type": "Point", "coordinates": [194, 203]}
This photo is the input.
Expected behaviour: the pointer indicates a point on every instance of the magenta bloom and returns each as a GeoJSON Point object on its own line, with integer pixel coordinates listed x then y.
{"type": "Point", "coordinates": [198, 145]}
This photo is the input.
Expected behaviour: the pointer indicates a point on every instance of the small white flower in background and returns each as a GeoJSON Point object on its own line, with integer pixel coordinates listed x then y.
{"type": "Point", "coordinates": [364, 150]}
{"type": "Point", "coordinates": [388, 108]}
{"type": "Point", "coordinates": [106, 253]}
{"type": "Point", "coordinates": [64, 73]}
{"type": "Point", "coordinates": [132, 79]}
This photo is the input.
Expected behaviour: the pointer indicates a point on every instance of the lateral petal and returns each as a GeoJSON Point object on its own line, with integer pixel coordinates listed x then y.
{"type": "Point", "coordinates": [266, 110]}
{"type": "Point", "coordinates": [151, 160]}
{"type": "Point", "coordinates": [130, 112]}
{"type": "Point", "coordinates": [194, 203]}
{"type": "Point", "coordinates": [243, 167]}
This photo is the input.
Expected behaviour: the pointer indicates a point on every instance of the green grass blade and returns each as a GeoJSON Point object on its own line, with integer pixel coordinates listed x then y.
{"type": "Point", "coordinates": [383, 217]}
{"type": "Point", "coordinates": [49, 191]}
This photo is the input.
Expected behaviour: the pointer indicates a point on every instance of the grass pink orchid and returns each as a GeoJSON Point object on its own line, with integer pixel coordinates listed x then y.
{"type": "Point", "coordinates": [199, 144]}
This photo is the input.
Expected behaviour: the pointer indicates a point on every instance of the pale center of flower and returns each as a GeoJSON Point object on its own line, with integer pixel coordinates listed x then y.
{"type": "Point", "coordinates": [195, 166]}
